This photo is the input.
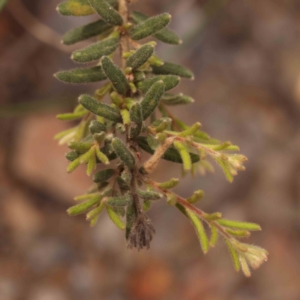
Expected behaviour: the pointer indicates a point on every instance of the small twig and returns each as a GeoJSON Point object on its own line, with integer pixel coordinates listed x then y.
{"type": "Point", "coordinates": [124, 44]}
{"type": "Point", "coordinates": [191, 207]}
{"type": "Point", "coordinates": [150, 165]}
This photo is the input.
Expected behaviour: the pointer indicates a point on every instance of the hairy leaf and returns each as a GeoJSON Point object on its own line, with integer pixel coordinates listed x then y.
{"type": "Point", "coordinates": [86, 31]}
{"type": "Point", "coordinates": [81, 75]}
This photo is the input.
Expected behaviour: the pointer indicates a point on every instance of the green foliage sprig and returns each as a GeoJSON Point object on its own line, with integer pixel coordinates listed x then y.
{"type": "Point", "coordinates": [136, 119]}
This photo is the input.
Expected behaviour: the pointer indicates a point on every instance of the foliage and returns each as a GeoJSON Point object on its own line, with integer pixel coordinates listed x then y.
{"type": "Point", "coordinates": [136, 119]}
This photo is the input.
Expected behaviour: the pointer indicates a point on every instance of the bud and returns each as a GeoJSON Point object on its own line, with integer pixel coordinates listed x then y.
{"type": "Point", "coordinates": [169, 99]}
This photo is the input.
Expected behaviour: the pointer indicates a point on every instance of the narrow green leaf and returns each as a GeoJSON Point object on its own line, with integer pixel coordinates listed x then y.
{"type": "Point", "coordinates": [146, 205]}
{"type": "Point", "coordinates": [172, 69]}
{"type": "Point", "coordinates": [150, 195]}
{"type": "Point", "coordinates": [245, 266]}
{"type": "Point", "coordinates": [115, 75]}
{"type": "Point", "coordinates": [116, 99]}
{"type": "Point", "coordinates": [83, 207]}
{"type": "Point", "coordinates": [150, 26]}
{"type": "Point", "coordinates": [199, 230]}
{"type": "Point", "coordinates": [103, 90]}
{"type": "Point", "coordinates": [161, 124]}
{"type": "Point", "coordinates": [226, 169]}
{"type": "Point", "coordinates": [93, 215]}
{"type": "Point", "coordinates": [171, 154]}
{"type": "Point", "coordinates": [64, 133]}
{"type": "Point", "coordinates": [239, 233]}
{"type": "Point", "coordinates": [191, 130]}
{"type": "Point", "coordinates": [185, 155]}
{"type": "Point", "coordinates": [81, 147]}
{"type": "Point", "coordinates": [171, 199]}
{"type": "Point", "coordinates": [86, 31]}
{"type": "Point", "coordinates": [123, 153]}
{"type": "Point", "coordinates": [100, 109]}
{"type": "Point", "coordinates": [81, 75]}
{"type": "Point", "coordinates": [72, 155]}
{"type": "Point", "coordinates": [103, 175]}
{"type": "Point", "coordinates": [85, 196]}
{"type": "Point", "coordinates": [169, 184]}
{"type": "Point", "coordinates": [102, 157]}
{"type": "Point", "coordinates": [234, 255]}
{"type": "Point", "coordinates": [239, 225]}
{"type": "Point", "coordinates": [138, 58]}
{"type": "Point", "coordinates": [75, 8]}
{"type": "Point", "coordinates": [156, 61]}
{"type": "Point", "coordinates": [213, 217]}
{"type": "Point", "coordinates": [123, 200]}
{"type": "Point", "coordinates": [115, 218]}
{"type": "Point", "coordinates": [125, 116]}
{"type": "Point", "coordinates": [107, 12]}
{"type": "Point", "coordinates": [96, 51]}
{"type": "Point", "coordinates": [165, 35]}
{"type": "Point", "coordinates": [71, 116]}
{"type": "Point", "coordinates": [170, 81]}
{"type": "Point", "coordinates": [136, 118]}
{"type": "Point", "coordinates": [91, 164]}
{"type": "Point", "coordinates": [169, 99]}
{"type": "Point", "coordinates": [197, 196]}
{"type": "Point", "coordinates": [84, 158]}
{"type": "Point", "coordinates": [214, 236]}
{"type": "Point", "coordinates": [152, 99]}
{"type": "Point", "coordinates": [73, 165]}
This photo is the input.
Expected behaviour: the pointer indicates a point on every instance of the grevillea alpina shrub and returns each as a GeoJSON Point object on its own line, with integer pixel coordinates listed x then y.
{"type": "Point", "coordinates": [128, 116]}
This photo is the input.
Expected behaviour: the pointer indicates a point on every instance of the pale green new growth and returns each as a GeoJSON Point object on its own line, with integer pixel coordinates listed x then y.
{"type": "Point", "coordinates": [128, 116]}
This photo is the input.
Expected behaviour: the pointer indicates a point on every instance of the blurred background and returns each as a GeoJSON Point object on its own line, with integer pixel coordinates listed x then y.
{"type": "Point", "coordinates": [246, 58]}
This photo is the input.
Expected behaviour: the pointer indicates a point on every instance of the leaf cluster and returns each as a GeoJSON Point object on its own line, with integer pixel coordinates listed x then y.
{"type": "Point", "coordinates": [129, 116]}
